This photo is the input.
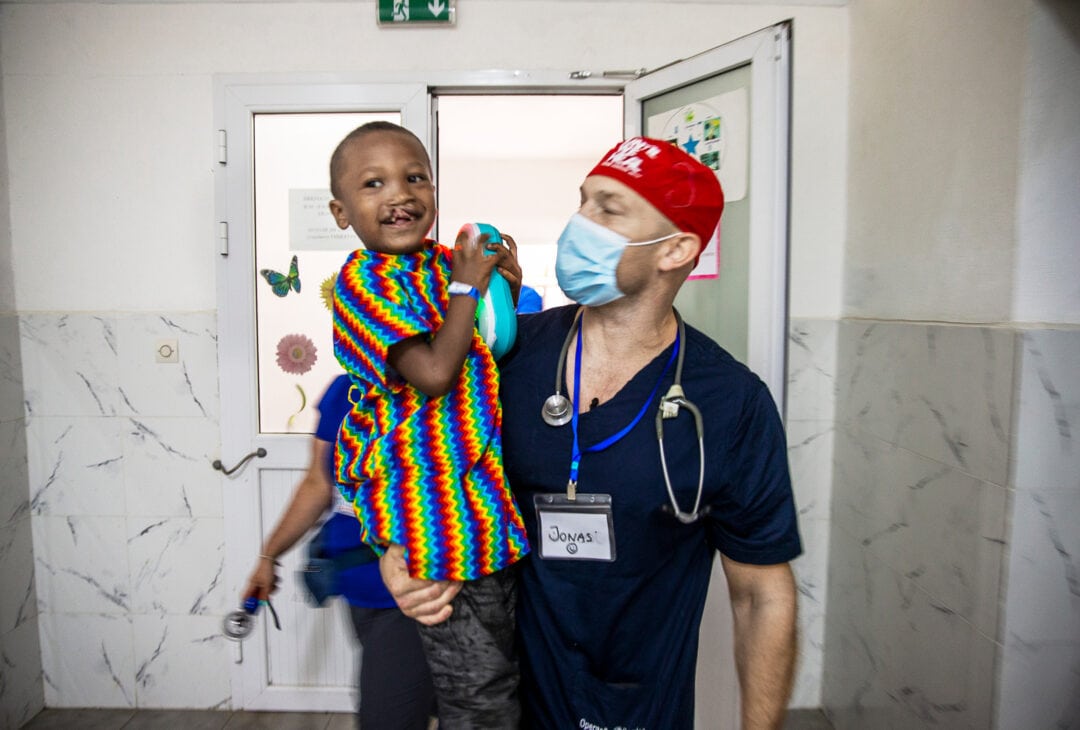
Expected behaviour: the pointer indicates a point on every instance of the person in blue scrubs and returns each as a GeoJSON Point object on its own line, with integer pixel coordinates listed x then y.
{"type": "Point", "coordinates": [529, 301]}
{"type": "Point", "coordinates": [612, 596]}
{"type": "Point", "coordinates": [396, 692]}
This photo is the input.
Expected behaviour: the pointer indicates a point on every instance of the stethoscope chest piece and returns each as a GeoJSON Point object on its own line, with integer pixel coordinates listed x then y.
{"type": "Point", "coordinates": [556, 410]}
{"type": "Point", "coordinates": [238, 625]}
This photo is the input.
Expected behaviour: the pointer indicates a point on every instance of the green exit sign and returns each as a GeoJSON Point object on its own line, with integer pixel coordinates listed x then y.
{"type": "Point", "coordinates": [412, 12]}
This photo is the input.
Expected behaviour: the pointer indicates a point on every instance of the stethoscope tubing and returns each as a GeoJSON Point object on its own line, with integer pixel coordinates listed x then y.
{"type": "Point", "coordinates": [556, 407]}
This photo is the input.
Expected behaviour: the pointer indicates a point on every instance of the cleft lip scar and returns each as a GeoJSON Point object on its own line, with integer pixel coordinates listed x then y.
{"type": "Point", "coordinates": [400, 217]}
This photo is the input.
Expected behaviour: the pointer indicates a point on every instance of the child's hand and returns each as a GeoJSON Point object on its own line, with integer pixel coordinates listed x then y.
{"type": "Point", "coordinates": [470, 265]}
{"type": "Point", "coordinates": [508, 266]}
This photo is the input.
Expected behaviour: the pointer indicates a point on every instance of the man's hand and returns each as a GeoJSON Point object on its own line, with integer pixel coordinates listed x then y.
{"type": "Point", "coordinates": [427, 601]}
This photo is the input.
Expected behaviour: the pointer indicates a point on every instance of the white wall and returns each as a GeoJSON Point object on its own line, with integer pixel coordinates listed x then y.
{"type": "Point", "coordinates": [956, 495]}
{"type": "Point", "coordinates": [7, 271]}
{"type": "Point", "coordinates": [1047, 260]}
{"type": "Point", "coordinates": [1039, 685]}
{"type": "Point", "coordinates": [932, 199]}
{"type": "Point", "coordinates": [110, 133]}
{"type": "Point", "coordinates": [21, 694]}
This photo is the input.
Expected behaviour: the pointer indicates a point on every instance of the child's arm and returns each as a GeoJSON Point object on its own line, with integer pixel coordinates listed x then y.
{"type": "Point", "coordinates": [431, 365]}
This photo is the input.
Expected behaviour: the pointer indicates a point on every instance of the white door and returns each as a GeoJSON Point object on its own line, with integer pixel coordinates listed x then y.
{"type": "Point", "coordinates": [274, 143]}
{"type": "Point", "coordinates": [730, 107]}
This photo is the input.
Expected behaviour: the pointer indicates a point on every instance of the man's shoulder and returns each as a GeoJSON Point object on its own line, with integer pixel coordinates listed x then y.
{"type": "Point", "coordinates": [561, 316]}
{"type": "Point", "coordinates": [716, 369]}
{"type": "Point", "coordinates": [704, 351]}
{"type": "Point", "coordinates": [539, 335]}
{"type": "Point", "coordinates": [545, 324]}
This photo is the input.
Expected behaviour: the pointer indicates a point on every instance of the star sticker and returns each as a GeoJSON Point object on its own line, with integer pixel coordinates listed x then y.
{"type": "Point", "coordinates": [691, 145]}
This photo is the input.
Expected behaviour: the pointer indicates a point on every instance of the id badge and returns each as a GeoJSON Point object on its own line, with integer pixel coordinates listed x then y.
{"type": "Point", "coordinates": [582, 529]}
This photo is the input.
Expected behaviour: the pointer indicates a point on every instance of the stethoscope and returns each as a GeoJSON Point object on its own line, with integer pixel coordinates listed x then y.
{"type": "Point", "coordinates": [557, 412]}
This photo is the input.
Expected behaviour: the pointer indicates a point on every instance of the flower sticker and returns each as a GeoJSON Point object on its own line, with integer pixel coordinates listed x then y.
{"type": "Point", "coordinates": [326, 291]}
{"type": "Point", "coordinates": [296, 354]}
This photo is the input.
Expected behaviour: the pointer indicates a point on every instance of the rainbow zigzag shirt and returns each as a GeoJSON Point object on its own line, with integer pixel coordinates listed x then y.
{"type": "Point", "coordinates": [422, 472]}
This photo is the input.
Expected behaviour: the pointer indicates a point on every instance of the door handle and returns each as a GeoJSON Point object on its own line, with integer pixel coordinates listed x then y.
{"type": "Point", "coordinates": [259, 452]}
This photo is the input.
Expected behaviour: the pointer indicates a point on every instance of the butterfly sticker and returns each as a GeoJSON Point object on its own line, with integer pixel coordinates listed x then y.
{"type": "Point", "coordinates": [281, 283]}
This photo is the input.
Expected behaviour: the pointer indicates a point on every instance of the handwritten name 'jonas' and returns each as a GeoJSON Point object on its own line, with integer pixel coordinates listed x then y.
{"type": "Point", "coordinates": [556, 534]}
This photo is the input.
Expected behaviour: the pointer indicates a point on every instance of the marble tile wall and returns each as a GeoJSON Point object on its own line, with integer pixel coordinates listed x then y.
{"type": "Point", "coordinates": [1040, 675]}
{"type": "Point", "coordinates": [127, 514]}
{"type": "Point", "coordinates": [918, 528]}
{"type": "Point", "coordinates": [21, 695]}
{"type": "Point", "coordinates": [810, 424]}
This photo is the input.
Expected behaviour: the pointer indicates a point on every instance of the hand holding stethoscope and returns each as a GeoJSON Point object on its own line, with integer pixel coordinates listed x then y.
{"type": "Point", "coordinates": [558, 411]}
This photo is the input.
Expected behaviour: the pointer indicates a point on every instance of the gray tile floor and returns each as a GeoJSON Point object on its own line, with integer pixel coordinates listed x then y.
{"type": "Point", "coordinates": [211, 720]}
{"type": "Point", "coordinates": [187, 720]}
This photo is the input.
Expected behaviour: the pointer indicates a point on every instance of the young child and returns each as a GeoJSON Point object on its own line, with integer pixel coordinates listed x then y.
{"type": "Point", "coordinates": [420, 454]}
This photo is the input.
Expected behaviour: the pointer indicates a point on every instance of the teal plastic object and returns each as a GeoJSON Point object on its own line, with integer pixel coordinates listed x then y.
{"type": "Point", "coordinates": [496, 319]}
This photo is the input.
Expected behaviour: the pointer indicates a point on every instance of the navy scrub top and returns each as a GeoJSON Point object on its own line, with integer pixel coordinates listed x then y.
{"type": "Point", "coordinates": [614, 644]}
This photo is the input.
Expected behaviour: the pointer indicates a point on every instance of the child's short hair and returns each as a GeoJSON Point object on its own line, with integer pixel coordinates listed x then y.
{"type": "Point", "coordinates": [338, 158]}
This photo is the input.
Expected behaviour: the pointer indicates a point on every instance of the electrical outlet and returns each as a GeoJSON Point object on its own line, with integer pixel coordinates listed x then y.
{"type": "Point", "coordinates": [167, 351]}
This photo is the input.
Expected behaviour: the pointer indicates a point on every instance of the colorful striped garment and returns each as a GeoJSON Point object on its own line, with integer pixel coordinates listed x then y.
{"type": "Point", "coordinates": [422, 472]}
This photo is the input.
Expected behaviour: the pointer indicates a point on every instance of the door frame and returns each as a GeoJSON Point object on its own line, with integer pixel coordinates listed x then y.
{"type": "Point", "coordinates": [768, 53]}
{"type": "Point", "coordinates": [239, 96]}
{"type": "Point", "coordinates": [236, 105]}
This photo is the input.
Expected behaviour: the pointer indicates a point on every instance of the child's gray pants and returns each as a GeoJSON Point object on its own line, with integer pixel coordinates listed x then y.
{"type": "Point", "coordinates": [472, 657]}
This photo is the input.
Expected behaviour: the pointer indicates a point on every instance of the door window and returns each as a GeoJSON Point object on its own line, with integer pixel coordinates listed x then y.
{"type": "Point", "coordinates": [517, 161]}
{"type": "Point", "coordinates": [293, 223]}
{"type": "Point", "coordinates": [709, 119]}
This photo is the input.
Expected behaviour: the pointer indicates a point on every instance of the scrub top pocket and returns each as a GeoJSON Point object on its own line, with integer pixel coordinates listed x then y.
{"type": "Point", "coordinates": [602, 704]}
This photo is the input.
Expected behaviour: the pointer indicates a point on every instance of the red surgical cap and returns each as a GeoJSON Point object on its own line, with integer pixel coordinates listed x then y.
{"type": "Point", "coordinates": [685, 191]}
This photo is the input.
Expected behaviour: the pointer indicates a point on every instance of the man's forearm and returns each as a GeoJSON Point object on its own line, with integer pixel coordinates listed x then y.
{"type": "Point", "coordinates": [765, 651]}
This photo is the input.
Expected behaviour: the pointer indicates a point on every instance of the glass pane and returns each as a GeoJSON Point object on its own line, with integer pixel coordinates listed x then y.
{"type": "Point", "coordinates": [711, 119]}
{"type": "Point", "coordinates": [295, 351]}
{"type": "Point", "coordinates": [517, 162]}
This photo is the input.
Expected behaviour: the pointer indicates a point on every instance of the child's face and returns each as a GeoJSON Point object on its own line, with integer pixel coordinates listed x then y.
{"type": "Point", "coordinates": [387, 195]}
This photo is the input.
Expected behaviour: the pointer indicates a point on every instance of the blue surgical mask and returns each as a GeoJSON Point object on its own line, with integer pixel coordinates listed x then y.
{"type": "Point", "coordinates": [587, 258]}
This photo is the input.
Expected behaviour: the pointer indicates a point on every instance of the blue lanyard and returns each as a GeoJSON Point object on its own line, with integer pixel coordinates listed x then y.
{"type": "Point", "coordinates": [576, 452]}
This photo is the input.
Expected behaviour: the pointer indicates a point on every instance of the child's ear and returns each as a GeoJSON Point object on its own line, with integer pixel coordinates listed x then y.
{"type": "Point", "coordinates": [338, 211]}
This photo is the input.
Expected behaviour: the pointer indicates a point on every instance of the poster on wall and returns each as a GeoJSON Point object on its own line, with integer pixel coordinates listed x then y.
{"type": "Point", "coordinates": [311, 225]}
{"type": "Point", "coordinates": [716, 132]}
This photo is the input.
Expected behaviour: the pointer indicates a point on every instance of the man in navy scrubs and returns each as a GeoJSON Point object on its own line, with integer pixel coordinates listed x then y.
{"type": "Point", "coordinates": [623, 540]}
